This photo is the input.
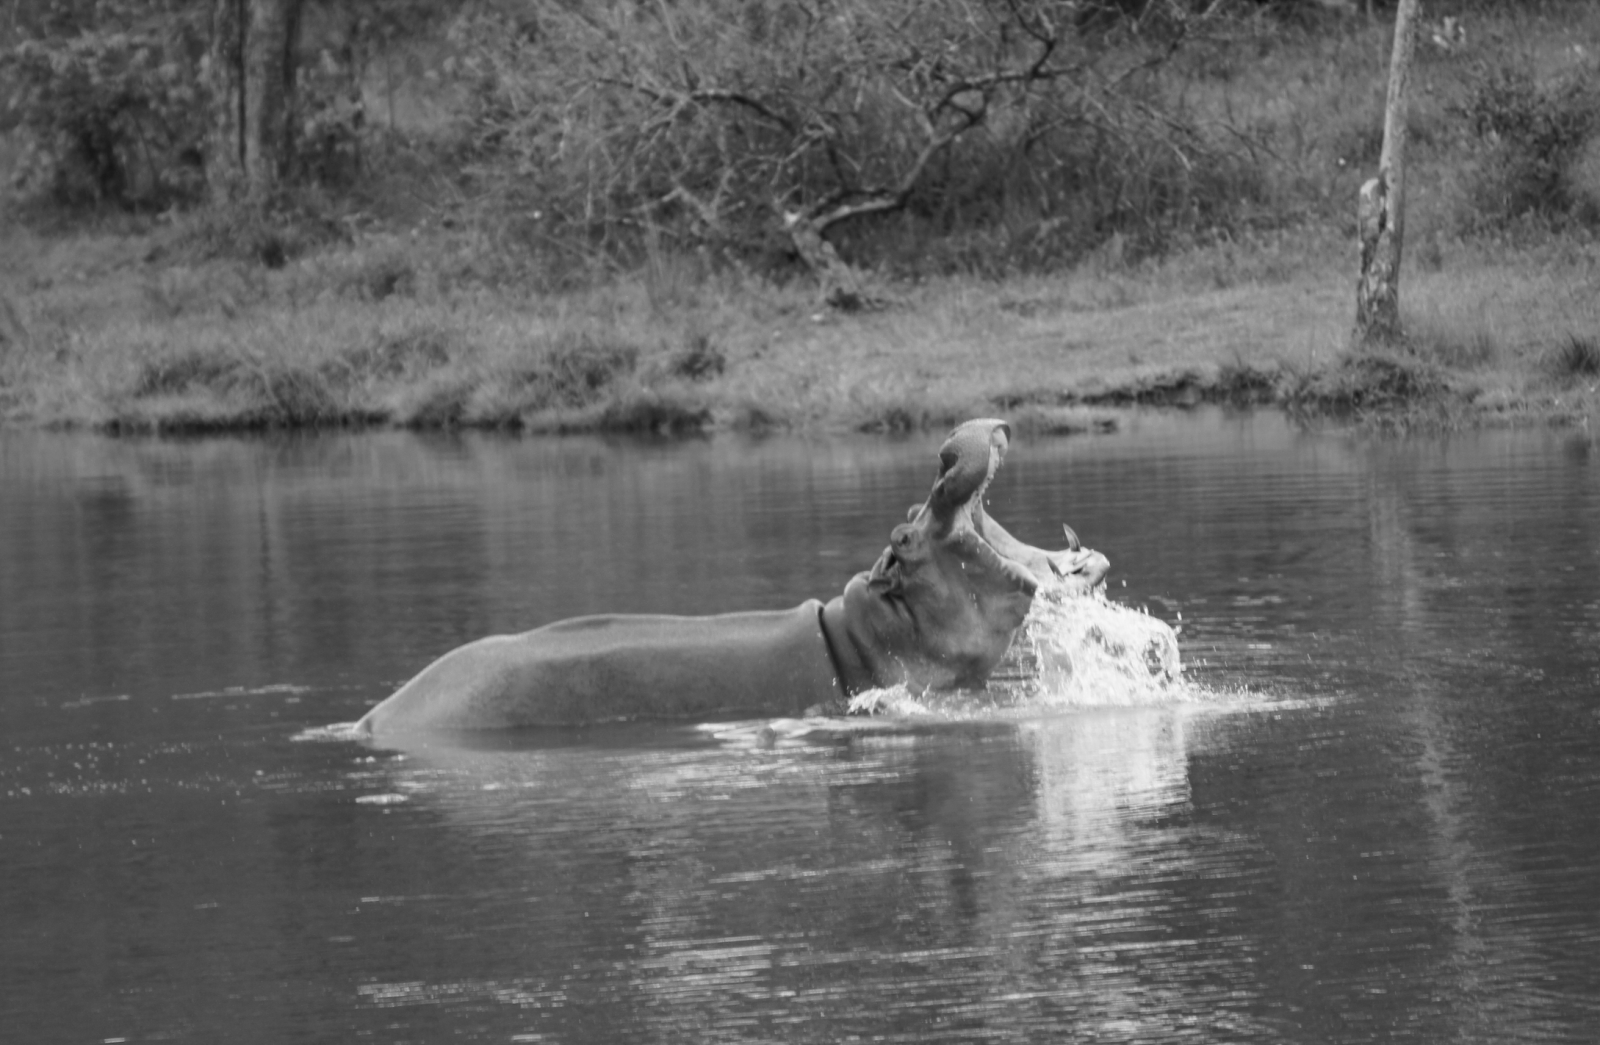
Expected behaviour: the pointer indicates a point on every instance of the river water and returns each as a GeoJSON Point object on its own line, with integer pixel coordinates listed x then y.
{"type": "Point", "coordinates": [1371, 815]}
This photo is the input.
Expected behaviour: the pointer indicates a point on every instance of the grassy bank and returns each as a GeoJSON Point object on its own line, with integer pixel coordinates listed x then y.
{"type": "Point", "coordinates": [406, 304]}
{"type": "Point", "coordinates": [375, 333]}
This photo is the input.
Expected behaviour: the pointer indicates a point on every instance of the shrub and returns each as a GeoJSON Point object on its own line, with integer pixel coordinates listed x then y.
{"type": "Point", "coordinates": [698, 360]}
{"type": "Point", "coordinates": [576, 370]}
{"type": "Point", "coordinates": [381, 272]}
{"type": "Point", "coordinates": [386, 357]}
{"type": "Point", "coordinates": [1577, 358]}
{"type": "Point", "coordinates": [114, 98]}
{"type": "Point", "coordinates": [1367, 383]}
{"type": "Point", "coordinates": [643, 411]}
{"type": "Point", "coordinates": [183, 372]}
{"type": "Point", "coordinates": [115, 114]}
{"type": "Point", "coordinates": [265, 392]}
{"type": "Point", "coordinates": [271, 232]}
{"type": "Point", "coordinates": [711, 121]}
{"type": "Point", "coordinates": [1533, 135]}
{"type": "Point", "coordinates": [333, 119]}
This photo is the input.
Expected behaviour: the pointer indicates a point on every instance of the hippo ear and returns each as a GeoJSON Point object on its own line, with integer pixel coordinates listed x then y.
{"type": "Point", "coordinates": [967, 461]}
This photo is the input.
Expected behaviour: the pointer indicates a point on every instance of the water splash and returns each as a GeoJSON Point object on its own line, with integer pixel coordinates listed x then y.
{"type": "Point", "coordinates": [1077, 650]}
{"type": "Point", "coordinates": [1073, 651]}
{"type": "Point", "coordinates": [337, 732]}
{"type": "Point", "coordinates": [244, 691]}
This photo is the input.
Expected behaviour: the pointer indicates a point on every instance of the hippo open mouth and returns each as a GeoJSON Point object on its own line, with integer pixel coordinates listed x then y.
{"type": "Point", "coordinates": [983, 443]}
{"type": "Point", "coordinates": [941, 603]}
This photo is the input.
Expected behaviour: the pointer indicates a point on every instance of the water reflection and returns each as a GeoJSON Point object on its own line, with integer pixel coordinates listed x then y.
{"type": "Point", "coordinates": [995, 880]}
{"type": "Point", "coordinates": [1432, 541]}
{"type": "Point", "coordinates": [1367, 823]}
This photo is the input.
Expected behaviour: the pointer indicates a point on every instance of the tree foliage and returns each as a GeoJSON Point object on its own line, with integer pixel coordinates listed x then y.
{"type": "Point", "coordinates": [119, 99]}
{"type": "Point", "coordinates": [112, 103]}
{"type": "Point", "coordinates": [1533, 136]}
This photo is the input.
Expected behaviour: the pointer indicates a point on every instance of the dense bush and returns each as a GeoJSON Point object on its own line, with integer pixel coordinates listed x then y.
{"type": "Point", "coordinates": [271, 232]}
{"type": "Point", "coordinates": [1532, 135]}
{"type": "Point", "coordinates": [1576, 359]}
{"type": "Point", "coordinates": [333, 120]}
{"type": "Point", "coordinates": [113, 97]}
{"type": "Point", "coordinates": [114, 113]}
{"type": "Point", "coordinates": [709, 120]}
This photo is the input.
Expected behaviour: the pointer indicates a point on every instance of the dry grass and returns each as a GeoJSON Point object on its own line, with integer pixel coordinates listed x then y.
{"type": "Point", "coordinates": [110, 343]}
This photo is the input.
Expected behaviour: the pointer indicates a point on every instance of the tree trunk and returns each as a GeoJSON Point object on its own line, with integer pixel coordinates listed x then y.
{"type": "Point", "coordinates": [225, 71]}
{"type": "Point", "coordinates": [841, 284]}
{"type": "Point", "coordinates": [252, 74]}
{"type": "Point", "coordinates": [1381, 209]}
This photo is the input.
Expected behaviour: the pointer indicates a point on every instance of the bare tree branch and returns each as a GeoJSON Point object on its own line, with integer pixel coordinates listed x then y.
{"type": "Point", "coordinates": [678, 101]}
{"type": "Point", "coordinates": [733, 122]}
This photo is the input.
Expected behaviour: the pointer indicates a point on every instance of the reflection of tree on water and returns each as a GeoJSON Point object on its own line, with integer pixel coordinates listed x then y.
{"type": "Point", "coordinates": [1461, 624]}
{"type": "Point", "coordinates": [1407, 839]}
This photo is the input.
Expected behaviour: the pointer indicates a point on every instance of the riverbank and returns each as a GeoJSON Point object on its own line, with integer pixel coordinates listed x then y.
{"type": "Point", "coordinates": [110, 329]}
{"type": "Point", "coordinates": [423, 292]}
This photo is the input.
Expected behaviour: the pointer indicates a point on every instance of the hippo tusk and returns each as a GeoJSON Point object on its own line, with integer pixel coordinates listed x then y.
{"type": "Point", "coordinates": [1073, 544]}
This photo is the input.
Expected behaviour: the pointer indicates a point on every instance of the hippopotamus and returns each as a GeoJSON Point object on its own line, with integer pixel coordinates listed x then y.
{"type": "Point", "coordinates": [937, 611]}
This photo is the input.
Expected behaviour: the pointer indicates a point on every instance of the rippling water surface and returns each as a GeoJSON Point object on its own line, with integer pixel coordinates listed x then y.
{"type": "Point", "coordinates": [1373, 814]}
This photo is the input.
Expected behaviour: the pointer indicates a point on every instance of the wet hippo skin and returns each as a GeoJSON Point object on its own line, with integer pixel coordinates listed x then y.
{"type": "Point", "coordinates": [936, 611]}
